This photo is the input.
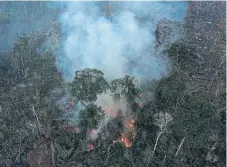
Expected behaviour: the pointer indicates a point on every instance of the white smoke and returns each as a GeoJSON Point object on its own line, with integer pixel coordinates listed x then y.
{"type": "Point", "coordinates": [117, 45]}
{"type": "Point", "coordinates": [111, 109]}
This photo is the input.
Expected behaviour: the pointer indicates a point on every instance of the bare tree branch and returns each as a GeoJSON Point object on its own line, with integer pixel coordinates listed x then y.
{"type": "Point", "coordinates": [155, 146]}
{"type": "Point", "coordinates": [52, 152]}
{"type": "Point", "coordinates": [182, 141]}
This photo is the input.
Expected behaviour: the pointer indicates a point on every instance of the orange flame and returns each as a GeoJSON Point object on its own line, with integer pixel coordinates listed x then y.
{"type": "Point", "coordinates": [126, 141]}
{"type": "Point", "coordinates": [90, 147]}
{"type": "Point", "coordinates": [128, 135]}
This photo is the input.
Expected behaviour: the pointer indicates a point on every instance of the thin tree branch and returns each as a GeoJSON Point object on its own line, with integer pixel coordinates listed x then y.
{"type": "Point", "coordinates": [36, 116]}
{"type": "Point", "coordinates": [156, 143]}
{"type": "Point", "coordinates": [38, 125]}
{"type": "Point", "coordinates": [182, 141]}
{"type": "Point", "coordinates": [52, 152]}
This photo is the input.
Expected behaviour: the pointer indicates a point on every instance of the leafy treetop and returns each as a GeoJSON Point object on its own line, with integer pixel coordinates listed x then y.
{"type": "Point", "coordinates": [87, 84]}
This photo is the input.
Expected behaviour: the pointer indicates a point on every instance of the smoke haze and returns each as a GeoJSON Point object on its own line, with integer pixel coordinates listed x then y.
{"type": "Point", "coordinates": [117, 38]}
{"type": "Point", "coordinates": [117, 45]}
{"type": "Point", "coordinates": [24, 18]}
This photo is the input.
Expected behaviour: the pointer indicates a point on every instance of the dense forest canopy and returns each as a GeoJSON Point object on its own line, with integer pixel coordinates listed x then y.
{"type": "Point", "coordinates": [147, 117]}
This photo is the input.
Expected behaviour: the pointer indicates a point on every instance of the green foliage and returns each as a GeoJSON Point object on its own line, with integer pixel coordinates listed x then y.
{"type": "Point", "coordinates": [124, 87]}
{"type": "Point", "coordinates": [29, 77]}
{"type": "Point", "coordinates": [89, 117]}
{"type": "Point", "coordinates": [66, 144]}
{"type": "Point", "coordinates": [33, 68]}
{"type": "Point", "coordinates": [33, 78]}
{"type": "Point", "coordinates": [183, 55]}
{"type": "Point", "coordinates": [195, 113]}
{"type": "Point", "coordinates": [197, 120]}
{"type": "Point", "coordinates": [87, 84]}
{"type": "Point", "coordinates": [169, 91]}
{"type": "Point", "coordinates": [4, 72]}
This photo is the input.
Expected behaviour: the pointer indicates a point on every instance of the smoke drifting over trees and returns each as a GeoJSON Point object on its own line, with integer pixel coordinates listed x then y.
{"type": "Point", "coordinates": [109, 84]}
{"type": "Point", "coordinates": [113, 43]}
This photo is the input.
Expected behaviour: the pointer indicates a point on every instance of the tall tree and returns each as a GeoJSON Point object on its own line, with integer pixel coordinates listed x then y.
{"type": "Point", "coordinates": [87, 84]}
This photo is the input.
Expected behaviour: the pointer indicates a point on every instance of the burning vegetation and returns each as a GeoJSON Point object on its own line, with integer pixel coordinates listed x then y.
{"type": "Point", "coordinates": [112, 119]}
{"type": "Point", "coordinates": [128, 135]}
{"type": "Point", "coordinates": [119, 127]}
{"type": "Point", "coordinates": [115, 123]}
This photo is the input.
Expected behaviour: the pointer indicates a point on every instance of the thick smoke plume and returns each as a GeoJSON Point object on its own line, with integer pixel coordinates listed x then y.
{"type": "Point", "coordinates": [117, 38]}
